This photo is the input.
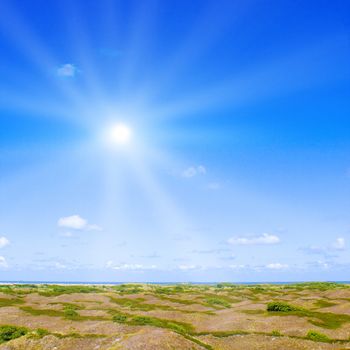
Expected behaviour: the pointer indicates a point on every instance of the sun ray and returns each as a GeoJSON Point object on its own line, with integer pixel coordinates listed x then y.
{"type": "Point", "coordinates": [27, 42]}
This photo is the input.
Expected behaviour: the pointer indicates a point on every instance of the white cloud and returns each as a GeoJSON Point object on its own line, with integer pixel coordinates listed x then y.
{"type": "Point", "coordinates": [277, 266]}
{"type": "Point", "coordinates": [4, 242]}
{"type": "Point", "coordinates": [109, 264]}
{"type": "Point", "coordinates": [130, 267]}
{"type": "Point", "coordinates": [265, 238]}
{"type": "Point", "coordinates": [67, 70]}
{"type": "Point", "coordinates": [93, 227]}
{"type": "Point", "coordinates": [76, 222]}
{"type": "Point", "coordinates": [60, 266]}
{"type": "Point", "coordinates": [3, 262]}
{"type": "Point", "coordinates": [193, 171]}
{"type": "Point", "coordinates": [339, 244]}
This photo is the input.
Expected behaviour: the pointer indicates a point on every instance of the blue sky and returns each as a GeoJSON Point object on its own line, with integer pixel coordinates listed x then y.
{"type": "Point", "coordinates": [236, 165]}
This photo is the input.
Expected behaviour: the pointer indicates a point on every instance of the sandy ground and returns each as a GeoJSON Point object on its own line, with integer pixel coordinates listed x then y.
{"type": "Point", "coordinates": [207, 312]}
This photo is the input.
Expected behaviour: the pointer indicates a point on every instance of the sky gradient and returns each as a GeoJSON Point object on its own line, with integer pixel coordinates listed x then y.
{"type": "Point", "coordinates": [238, 164]}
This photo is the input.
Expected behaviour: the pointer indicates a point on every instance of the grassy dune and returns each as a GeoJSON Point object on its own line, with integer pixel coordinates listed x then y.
{"type": "Point", "coordinates": [186, 316]}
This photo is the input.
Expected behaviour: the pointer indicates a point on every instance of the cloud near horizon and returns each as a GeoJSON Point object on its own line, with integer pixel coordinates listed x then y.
{"type": "Point", "coordinates": [276, 266]}
{"type": "Point", "coordinates": [265, 238]}
{"type": "Point", "coordinates": [129, 267]}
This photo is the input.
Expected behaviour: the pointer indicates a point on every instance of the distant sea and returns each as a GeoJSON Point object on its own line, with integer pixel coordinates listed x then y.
{"type": "Point", "coordinates": [161, 283]}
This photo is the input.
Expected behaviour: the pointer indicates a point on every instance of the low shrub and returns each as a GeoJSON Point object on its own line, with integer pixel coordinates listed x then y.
{"type": "Point", "coordinates": [317, 336]}
{"type": "Point", "coordinates": [279, 306]}
{"type": "Point", "coordinates": [70, 313]}
{"type": "Point", "coordinates": [213, 301]}
{"type": "Point", "coordinates": [8, 333]}
{"type": "Point", "coordinates": [41, 332]}
{"type": "Point", "coordinates": [120, 318]}
{"type": "Point", "coordinates": [276, 333]}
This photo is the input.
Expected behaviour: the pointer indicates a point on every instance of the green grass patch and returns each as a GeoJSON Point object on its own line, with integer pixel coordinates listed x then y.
{"type": "Point", "coordinates": [39, 333]}
{"type": "Point", "coordinates": [68, 306]}
{"type": "Point", "coordinates": [324, 303]}
{"type": "Point", "coordinates": [8, 333]}
{"type": "Point", "coordinates": [217, 302]}
{"type": "Point", "coordinates": [120, 318]}
{"type": "Point", "coordinates": [275, 333]}
{"type": "Point", "coordinates": [226, 285]}
{"type": "Point", "coordinates": [4, 302]}
{"type": "Point", "coordinates": [178, 300]}
{"type": "Point", "coordinates": [318, 337]}
{"type": "Point", "coordinates": [54, 290]}
{"type": "Point", "coordinates": [129, 288]}
{"type": "Point", "coordinates": [185, 329]}
{"type": "Point", "coordinates": [321, 286]}
{"type": "Point", "coordinates": [139, 304]}
{"type": "Point", "coordinates": [136, 320]}
{"type": "Point", "coordinates": [42, 312]}
{"type": "Point", "coordinates": [69, 314]}
{"type": "Point", "coordinates": [224, 334]}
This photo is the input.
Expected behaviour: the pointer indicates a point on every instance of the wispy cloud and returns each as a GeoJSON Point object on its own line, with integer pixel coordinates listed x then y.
{"type": "Point", "coordinates": [329, 251]}
{"type": "Point", "coordinates": [4, 242]}
{"type": "Point", "coordinates": [60, 266]}
{"type": "Point", "coordinates": [3, 262]}
{"type": "Point", "coordinates": [189, 267]}
{"type": "Point", "coordinates": [276, 266]}
{"type": "Point", "coordinates": [194, 171]}
{"type": "Point", "coordinates": [76, 222]}
{"type": "Point", "coordinates": [67, 70]}
{"type": "Point", "coordinates": [265, 238]}
{"type": "Point", "coordinates": [338, 244]}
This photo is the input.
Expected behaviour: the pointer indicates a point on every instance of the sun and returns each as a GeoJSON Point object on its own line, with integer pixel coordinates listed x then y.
{"type": "Point", "coordinates": [119, 134]}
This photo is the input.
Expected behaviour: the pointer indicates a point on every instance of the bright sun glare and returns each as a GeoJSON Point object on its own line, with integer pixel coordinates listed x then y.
{"type": "Point", "coordinates": [119, 134]}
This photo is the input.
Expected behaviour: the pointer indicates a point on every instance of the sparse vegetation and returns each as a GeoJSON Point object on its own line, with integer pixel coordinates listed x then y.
{"type": "Point", "coordinates": [320, 319]}
{"type": "Point", "coordinates": [71, 314]}
{"type": "Point", "coordinates": [215, 301]}
{"type": "Point", "coordinates": [54, 290]}
{"type": "Point", "coordinates": [321, 303]}
{"type": "Point", "coordinates": [41, 332]}
{"type": "Point", "coordinates": [180, 309]}
{"type": "Point", "coordinates": [4, 302]}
